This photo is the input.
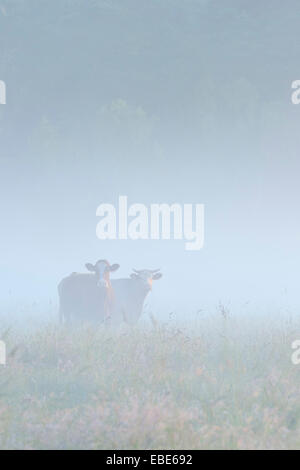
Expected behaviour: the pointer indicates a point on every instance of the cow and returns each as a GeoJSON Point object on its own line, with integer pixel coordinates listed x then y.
{"type": "Point", "coordinates": [87, 296]}
{"type": "Point", "coordinates": [130, 294]}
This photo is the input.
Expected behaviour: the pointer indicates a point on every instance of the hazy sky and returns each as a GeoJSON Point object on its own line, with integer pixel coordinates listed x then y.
{"type": "Point", "coordinates": [175, 101]}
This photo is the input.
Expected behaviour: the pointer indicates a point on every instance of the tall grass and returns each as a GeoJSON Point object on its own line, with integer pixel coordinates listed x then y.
{"type": "Point", "coordinates": [215, 382]}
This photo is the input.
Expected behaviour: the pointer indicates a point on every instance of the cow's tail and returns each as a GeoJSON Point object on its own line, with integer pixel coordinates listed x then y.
{"type": "Point", "coordinates": [61, 315]}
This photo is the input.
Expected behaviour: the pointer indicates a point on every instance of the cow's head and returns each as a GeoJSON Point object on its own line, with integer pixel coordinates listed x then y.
{"type": "Point", "coordinates": [146, 276]}
{"type": "Point", "coordinates": [102, 270]}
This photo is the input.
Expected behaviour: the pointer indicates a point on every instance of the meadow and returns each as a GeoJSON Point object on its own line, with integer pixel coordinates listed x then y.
{"type": "Point", "coordinates": [213, 382]}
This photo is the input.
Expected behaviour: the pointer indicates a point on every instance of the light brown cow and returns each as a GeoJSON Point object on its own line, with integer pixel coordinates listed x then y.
{"type": "Point", "coordinates": [130, 295]}
{"type": "Point", "coordinates": [87, 296]}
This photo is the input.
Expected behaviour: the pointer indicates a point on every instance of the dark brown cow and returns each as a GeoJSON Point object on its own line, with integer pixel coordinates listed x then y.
{"type": "Point", "coordinates": [87, 296]}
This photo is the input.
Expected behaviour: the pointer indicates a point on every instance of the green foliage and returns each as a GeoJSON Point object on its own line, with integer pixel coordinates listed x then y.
{"type": "Point", "coordinates": [220, 383]}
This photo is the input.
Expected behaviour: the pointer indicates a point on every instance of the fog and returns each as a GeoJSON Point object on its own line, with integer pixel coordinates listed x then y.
{"type": "Point", "coordinates": [163, 102]}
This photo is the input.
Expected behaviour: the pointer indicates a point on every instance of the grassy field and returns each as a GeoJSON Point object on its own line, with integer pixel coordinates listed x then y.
{"type": "Point", "coordinates": [216, 383]}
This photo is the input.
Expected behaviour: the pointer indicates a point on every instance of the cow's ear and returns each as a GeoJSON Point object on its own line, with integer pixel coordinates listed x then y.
{"type": "Point", "coordinates": [134, 276]}
{"type": "Point", "coordinates": [156, 276]}
{"type": "Point", "coordinates": [90, 267]}
{"type": "Point", "coordinates": [114, 267]}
